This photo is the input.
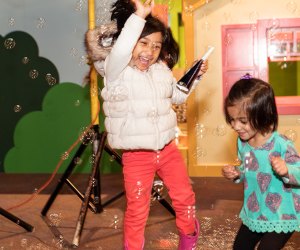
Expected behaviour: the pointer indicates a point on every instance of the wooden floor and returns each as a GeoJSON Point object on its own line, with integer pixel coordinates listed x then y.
{"type": "Point", "coordinates": [218, 205]}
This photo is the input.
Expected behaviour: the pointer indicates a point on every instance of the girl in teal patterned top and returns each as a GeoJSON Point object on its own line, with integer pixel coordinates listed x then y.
{"type": "Point", "coordinates": [269, 170]}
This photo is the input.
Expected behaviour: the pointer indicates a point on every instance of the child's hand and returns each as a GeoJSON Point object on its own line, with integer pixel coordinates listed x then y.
{"type": "Point", "coordinates": [230, 172]}
{"type": "Point", "coordinates": [143, 9]}
{"type": "Point", "coordinates": [279, 166]}
{"type": "Point", "coordinates": [203, 69]}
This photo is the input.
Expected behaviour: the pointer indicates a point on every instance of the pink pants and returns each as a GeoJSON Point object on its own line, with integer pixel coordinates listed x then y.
{"type": "Point", "coordinates": [139, 168]}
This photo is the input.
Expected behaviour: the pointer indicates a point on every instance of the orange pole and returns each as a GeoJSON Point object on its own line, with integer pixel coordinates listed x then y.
{"type": "Point", "coordinates": [93, 74]}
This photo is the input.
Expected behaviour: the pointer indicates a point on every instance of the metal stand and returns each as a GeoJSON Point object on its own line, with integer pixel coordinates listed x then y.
{"type": "Point", "coordinates": [94, 204]}
{"type": "Point", "coordinates": [94, 185]}
{"type": "Point", "coordinates": [157, 195]}
{"type": "Point", "coordinates": [16, 220]}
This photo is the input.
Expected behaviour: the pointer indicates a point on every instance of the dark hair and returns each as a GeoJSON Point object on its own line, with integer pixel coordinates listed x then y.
{"type": "Point", "coordinates": [258, 100]}
{"type": "Point", "coordinates": [120, 12]}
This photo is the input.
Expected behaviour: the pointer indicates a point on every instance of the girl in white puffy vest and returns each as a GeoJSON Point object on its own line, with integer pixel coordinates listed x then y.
{"type": "Point", "coordinates": [139, 90]}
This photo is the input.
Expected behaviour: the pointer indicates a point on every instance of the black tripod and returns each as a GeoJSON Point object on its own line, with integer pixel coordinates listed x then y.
{"type": "Point", "coordinates": [16, 220]}
{"type": "Point", "coordinates": [92, 197]}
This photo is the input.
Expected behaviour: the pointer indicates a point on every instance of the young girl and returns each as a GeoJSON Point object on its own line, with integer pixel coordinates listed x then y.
{"type": "Point", "coordinates": [138, 95]}
{"type": "Point", "coordinates": [270, 168]}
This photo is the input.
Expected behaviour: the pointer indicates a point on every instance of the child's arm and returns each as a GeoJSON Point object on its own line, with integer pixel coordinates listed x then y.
{"type": "Point", "coordinates": [236, 173]}
{"type": "Point", "coordinates": [231, 173]}
{"type": "Point", "coordinates": [180, 96]}
{"type": "Point", "coordinates": [279, 166]}
{"type": "Point", "coordinates": [289, 167]}
{"type": "Point", "coordinates": [203, 69]}
{"type": "Point", "coordinates": [143, 9]}
{"type": "Point", "coordinates": [121, 52]}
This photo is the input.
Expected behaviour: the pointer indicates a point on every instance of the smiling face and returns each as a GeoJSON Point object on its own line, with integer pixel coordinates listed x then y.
{"type": "Point", "coordinates": [146, 51]}
{"type": "Point", "coordinates": [240, 122]}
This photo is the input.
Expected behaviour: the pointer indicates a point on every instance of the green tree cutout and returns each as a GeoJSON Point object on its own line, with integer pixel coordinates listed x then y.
{"type": "Point", "coordinates": [41, 138]}
{"type": "Point", "coordinates": [49, 117]}
{"type": "Point", "coordinates": [25, 78]}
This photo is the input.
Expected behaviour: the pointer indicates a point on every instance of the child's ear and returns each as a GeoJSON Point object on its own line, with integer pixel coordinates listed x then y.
{"type": "Point", "coordinates": [100, 40]}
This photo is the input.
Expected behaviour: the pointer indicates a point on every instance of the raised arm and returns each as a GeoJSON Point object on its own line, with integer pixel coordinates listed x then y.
{"type": "Point", "coordinates": [121, 52]}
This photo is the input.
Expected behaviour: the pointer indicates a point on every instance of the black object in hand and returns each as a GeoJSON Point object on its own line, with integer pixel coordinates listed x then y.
{"type": "Point", "coordinates": [186, 82]}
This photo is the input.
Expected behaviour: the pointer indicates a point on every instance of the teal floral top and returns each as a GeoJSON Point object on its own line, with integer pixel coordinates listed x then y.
{"type": "Point", "coordinates": [271, 202]}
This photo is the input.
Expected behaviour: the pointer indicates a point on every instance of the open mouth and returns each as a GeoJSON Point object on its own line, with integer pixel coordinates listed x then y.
{"type": "Point", "coordinates": [144, 61]}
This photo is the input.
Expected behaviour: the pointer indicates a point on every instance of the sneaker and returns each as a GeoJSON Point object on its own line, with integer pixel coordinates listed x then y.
{"type": "Point", "coordinates": [189, 242]}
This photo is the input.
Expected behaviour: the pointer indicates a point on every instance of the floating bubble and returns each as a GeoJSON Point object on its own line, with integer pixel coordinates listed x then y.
{"type": "Point", "coordinates": [78, 161]}
{"type": "Point", "coordinates": [139, 190]}
{"type": "Point", "coordinates": [73, 52]}
{"type": "Point", "coordinates": [228, 40]}
{"type": "Point", "coordinates": [11, 21]}
{"type": "Point", "coordinates": [112, 158]}
{"type": "Point", "coordinates": [24, 243]}
{"type": "Point", "coordinates": [92, 159]}
{"type": "Point", "coordinates": [65, 156]}
{"type": "Point", "coordinates": [77, 103]}
{"type": "Point", "coordinates": [48, 76]}
{"type": "Point", "coordinates": [190, 212]}
{"type": "Point", "coordinates": [40, 23]}
{"type": "Point", "coordinates": [283, 65]}
{"type": "Point", "coordinates": [188, 9]}
{"type": "Point", "coordinates": [237, 162]}
{"type": "Point", "coordinates": [200, 130]}
{"type": "Point", "coordinates": [50, 79]}
{"type": "Point", "coordinates": [171, 4]}
{"type": "Point", "coordinates": [87, 135]}
{"type": "Point", "coordinates": [17, 108]}
{"type": "Point", "coordinates": [60, 243]}
{"type": "Point", "coordinates": [206, 25]}
{"type": "Point", "coordinates": [274, 23]}
{"type": "Point", "coordinates": [253, 16]}
{"type": "Point", "coordinates": [9, 43]}
{"type": "Point", "coordinates": [291, 6]}
{"type": "Point", "coordinates": [83, 60]}
{"type": "Point", "coordinates": [220, 130]}
{"type": "Point", "coordinates": [55, 219]}
{"type": "Point", "coordinates": [103, 12]}
{"type": "Point", "coordinates": [94, 91]}
{"type": "Point", "coordinates": [25, 60]}
{"type": "Point", "coordinates": [227, 16]}
{"type": "Point", "coordinates": [200, 152]}
{"type": "Point", "coordinates": [253, 27]}
{"type": "Point", "coordinates": [115, 223]}
{"type": "Point", "coordinates": [78, 6]}
{"type": "Point", "coordinates": [153, 116]}
{"type": "Point", "coordinates": [291, 134]}
{"type": "Point", "coordinates": [33, 74]}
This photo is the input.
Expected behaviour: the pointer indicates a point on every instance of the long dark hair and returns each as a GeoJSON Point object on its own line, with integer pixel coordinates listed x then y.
{"type": "Point", "coordinates": [120, 12]}
{"type": "Point", "coordinates": [258, 100]}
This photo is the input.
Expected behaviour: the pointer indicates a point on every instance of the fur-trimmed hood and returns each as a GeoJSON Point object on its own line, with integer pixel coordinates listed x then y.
{"type": "Point", "coordinates": [100, 40]}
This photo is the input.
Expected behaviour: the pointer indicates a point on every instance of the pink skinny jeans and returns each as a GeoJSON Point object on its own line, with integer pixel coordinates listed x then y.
{"type": "Point", "coordinates": [139, 169]}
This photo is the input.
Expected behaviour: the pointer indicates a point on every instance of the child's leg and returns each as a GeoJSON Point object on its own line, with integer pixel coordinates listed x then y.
{"type": "Point", "coordinates": [274, 241]}
{"type": "Point", "coordinates": [173, 172]}
{"type": "Point", "coordinates": [138, 170]}
{"type": "Point", "coordinates": [246, 239]}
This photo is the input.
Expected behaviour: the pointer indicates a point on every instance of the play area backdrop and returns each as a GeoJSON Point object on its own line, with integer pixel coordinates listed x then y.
{"type": "Point", "coordinates": [44, 79]}
{"type": "Point", "coordinates": [44, 96]}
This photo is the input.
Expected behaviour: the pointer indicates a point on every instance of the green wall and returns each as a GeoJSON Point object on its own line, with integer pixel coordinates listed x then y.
{"type": "Point", "coordinates": [283, 76]}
